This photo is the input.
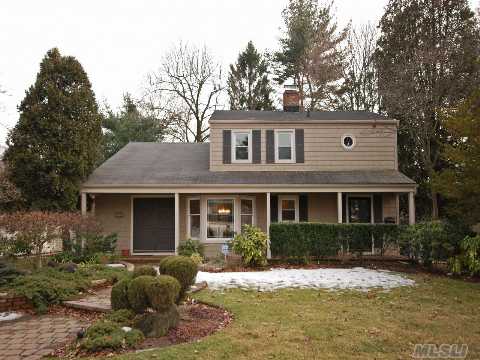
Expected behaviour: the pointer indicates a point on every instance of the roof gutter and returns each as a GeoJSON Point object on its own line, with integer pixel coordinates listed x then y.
{"type": "Point", "coordinates": [306, 122]}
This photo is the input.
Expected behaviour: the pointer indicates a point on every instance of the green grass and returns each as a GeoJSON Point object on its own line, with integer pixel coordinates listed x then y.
{"type": "Point", "coordinates": [310, 324]}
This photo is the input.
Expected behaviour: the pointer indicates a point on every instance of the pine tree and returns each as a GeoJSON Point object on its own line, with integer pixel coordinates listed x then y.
{"type": "Point", "coordinates": [130, 124]}
{"type": "Point", "coordinates": [310, 52]}
{"type": "Point", "coordinates": [248, 83]}
{"type": "Point", "coordinates": [57, 141]}
{"type": "Point", "coordinates": [427, 60]}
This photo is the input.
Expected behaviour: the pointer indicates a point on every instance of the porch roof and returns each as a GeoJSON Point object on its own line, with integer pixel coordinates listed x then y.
{"type": "Point", "coordinates": [161, 164]}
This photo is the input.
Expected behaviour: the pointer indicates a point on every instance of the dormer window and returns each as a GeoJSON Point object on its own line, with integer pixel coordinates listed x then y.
{"type": "Point", "coordinates": [241, 146]}
{"type": "Point", "coordinates": [284, 146]}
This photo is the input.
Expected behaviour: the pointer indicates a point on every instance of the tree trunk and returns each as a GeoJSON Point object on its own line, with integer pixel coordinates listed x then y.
{"type": "Point", "coordinates": [434, 195]}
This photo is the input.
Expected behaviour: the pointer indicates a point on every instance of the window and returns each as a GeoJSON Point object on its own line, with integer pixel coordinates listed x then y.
{"type": "Point", "coordinates": [246, 212]}
{"type": "Point", "coordinates": [194, 218]}
{"type": "Point", "coordinates": [348, 142]}
{"type": "Point", "coordinates": [359, 209]}
{"type": "Point", "coordinates": [288, 208]}
{"type": "Point", "coordinates": [285, 146]}
{"type": "Point", "coordinates": [220, 218]}
{"type": "Point", "coordinates": [242, 149]}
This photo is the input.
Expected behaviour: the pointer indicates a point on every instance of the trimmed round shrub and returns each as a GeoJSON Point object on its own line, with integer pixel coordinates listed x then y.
{"type": "Point", "coordinates": [163, 292]}
{"type": "Point", "coordinates": [137, 296]}
{"type": "Point", "coordinates": [119, 295]}
{"type": "Point", "coordinates": [144, 270]}
{"type": "Point", "coordinates": [108, 335]}
{"type": "Point", "coordinates": [181, 268]}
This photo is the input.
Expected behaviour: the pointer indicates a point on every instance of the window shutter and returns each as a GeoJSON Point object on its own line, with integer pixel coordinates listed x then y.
{"type": "Point", "coordinates": [344, 208]}
{"type": "Point", "coordinates": [274, 208]}
{"type": "Point", "coordinates": [378, 208]}
{"type": "Point", "coordinates": [270, 147]}
{"type": "Point", "coordinates": [303, 207]}
{"type": "Point", "coordinates": [256, 146]}
{"type": "Point", "coordinates": [299, 148]}
{"type": "Point", "coordinates": [227, 146]}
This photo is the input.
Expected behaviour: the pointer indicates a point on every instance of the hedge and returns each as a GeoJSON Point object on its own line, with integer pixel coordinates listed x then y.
{"type": "Point", "coordinates": [300, 240]}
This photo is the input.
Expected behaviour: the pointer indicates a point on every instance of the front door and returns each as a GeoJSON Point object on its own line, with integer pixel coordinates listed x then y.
{"type": "Point", "coordinates": [153, 225]}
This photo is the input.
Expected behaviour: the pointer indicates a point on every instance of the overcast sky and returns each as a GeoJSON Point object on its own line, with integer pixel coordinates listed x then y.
{"type": "Point", "coordinates": [119, 42]}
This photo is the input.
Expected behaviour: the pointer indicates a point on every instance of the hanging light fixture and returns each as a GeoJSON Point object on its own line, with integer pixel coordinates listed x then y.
{"type": "Point", "coordinates": [224, 211]}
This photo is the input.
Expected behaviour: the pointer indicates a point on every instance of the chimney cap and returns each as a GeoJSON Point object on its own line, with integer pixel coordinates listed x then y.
{"type": "Point", "coordinates": [291, 87]}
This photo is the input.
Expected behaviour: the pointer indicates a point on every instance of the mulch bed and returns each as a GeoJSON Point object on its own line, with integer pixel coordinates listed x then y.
{"type": "Point", "coordinates": [197, 320]}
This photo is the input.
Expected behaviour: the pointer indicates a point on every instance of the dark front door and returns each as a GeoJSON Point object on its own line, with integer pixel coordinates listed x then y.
{"type": "Point", "coordinates": [153, 224]}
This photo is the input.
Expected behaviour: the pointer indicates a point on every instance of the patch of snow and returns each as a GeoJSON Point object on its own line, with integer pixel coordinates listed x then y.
{"type": "Point", "coordinates": [356, 278]}
{"type": "Point", "coordinates": [116, 265]}
{"type": "Point", "coordinates": [7, 316]}
{"type": "Point", "coordinates": [126, 328]}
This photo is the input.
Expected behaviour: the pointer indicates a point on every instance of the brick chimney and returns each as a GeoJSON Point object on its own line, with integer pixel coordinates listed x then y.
{"type": "Point", "coordinates": [291, 99]}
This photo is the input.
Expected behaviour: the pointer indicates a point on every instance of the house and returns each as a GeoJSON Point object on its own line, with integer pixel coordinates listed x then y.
{"type": "Point", "coordinates": [259, 167]}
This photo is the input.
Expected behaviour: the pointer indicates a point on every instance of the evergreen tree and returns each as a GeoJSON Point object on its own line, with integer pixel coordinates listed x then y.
{"type": "Point", "coordinates": [130, 124]}
{"type": "Point", "coordinates": [248, 84]}
{"type": "Point", "coordinates": [427, 60]}
{"type": "Point", "coordinates": [310, 52]}
{"type": "Point", "coordinates": [57, 141]}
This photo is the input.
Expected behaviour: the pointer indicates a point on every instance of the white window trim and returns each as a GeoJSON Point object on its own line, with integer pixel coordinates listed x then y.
{"type": "Point", "coordinates": [347, 212]}
{"type": "Point", "coordinates": [189, 235]}
{"type": "Point", "coordinates": [292, 143]}
{"type": "Point", "coordinates": [219, 240]}
{"type": "Point", "coordinates": [233, 144]}
{"type": "Point", "coordinates": [343, 144]}
{"type": "Point", "coordinates": [254, 210]}
{"type": "Point", "coordinates": [288, 197]}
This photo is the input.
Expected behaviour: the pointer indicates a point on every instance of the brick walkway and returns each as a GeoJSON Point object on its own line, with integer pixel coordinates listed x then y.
{"type": "Point", "coordinates": [33, 337]}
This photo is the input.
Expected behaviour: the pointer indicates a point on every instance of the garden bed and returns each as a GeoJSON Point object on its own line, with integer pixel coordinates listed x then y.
{"type": "Point", "coordinates": [197, 320]}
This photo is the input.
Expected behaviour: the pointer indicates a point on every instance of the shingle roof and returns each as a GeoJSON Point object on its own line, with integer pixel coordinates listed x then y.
{"type": "Point", "coordinates": [294, 116]}
{"type": "Point", "coordinates": [188, 164]}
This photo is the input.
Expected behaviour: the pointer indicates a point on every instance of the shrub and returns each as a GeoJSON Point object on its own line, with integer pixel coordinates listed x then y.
{"type": "Point", "coordinates": [163, 292]}
{"type": "Point", "coordinates": [109, 335]}
{"type": "Point", "coordinates": [137, 296]}
{"type": "Point", "coordinates": [251, 244]}
{"type": "Point", "coordinates": [144, 270]}
{"type": "Point", "coordinates": [468, 260]}
{"type": "Point", "coordinates": [300, 241]}
{"type": "Point", "coordinates": [190, 247]}
{"type": "Point", "coordinates": [122, 317]}
{"type": "Point", "coordinates": [119, 295]}
{"type": "Point", "coordinates": [7, 273]}
{"type": "Point", "coordinates": [181, 268]}
{"type": "Point", "coordinates": [197, 258]}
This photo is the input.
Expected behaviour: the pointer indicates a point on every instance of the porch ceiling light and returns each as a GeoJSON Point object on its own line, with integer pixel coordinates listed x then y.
{"type": "Point", "coordinates": [223, 211]}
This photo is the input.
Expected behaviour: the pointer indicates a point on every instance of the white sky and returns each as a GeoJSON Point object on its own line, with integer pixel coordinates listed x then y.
{"type": "Point", "coordinates": [118, 41]}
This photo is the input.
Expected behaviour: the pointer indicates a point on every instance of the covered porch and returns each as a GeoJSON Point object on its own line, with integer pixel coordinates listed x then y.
{"type": "Point", "coordinates": [156, 221]}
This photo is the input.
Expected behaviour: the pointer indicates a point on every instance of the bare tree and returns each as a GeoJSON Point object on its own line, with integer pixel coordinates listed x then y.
{"type": "Point", "coordinates": [189, 84]}
{"type": "Point", "coordinates": [360, 87]}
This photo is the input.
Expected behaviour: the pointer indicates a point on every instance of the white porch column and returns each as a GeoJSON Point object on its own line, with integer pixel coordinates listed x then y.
{"type": "Point", "coordinates": [93, 204]}
{"type": "Point", "coordinates": [339, 207]}
{"type": "Point", "coordinates": [83, 203]}
{"type": "Point", "coordinates": [411, 208]}
{"type": "Point", "coordinates": [269, 253]}
{"type": "Point", "coordinates": [177, 221]}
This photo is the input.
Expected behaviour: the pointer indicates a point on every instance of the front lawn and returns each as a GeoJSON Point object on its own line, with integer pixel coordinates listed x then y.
{"type": "Point", "coordinates": [312, 324]}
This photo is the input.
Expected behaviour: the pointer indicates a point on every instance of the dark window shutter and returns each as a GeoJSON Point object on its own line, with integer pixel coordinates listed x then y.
{"type": "Point", "coordinates": [227, 146]}
{"type": "Point", "coordinates": [344, 208]}
{"type": "Point", "coordinates": [256, 146]}
{"type": "Point", "coordinates": [378, 208]}
{"type": "Point", "coordinates": [274, 208]}
{"type": "Point", "coordinates": [270, 147]}
{"type": "Point", "coordinates": [299, 148]}
{"type": "Point", "coordinates": [303, 207]}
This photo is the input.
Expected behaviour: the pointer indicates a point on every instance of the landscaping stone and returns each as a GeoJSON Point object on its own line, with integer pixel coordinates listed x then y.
{"type": "Point", "coordinates": [98, 301]}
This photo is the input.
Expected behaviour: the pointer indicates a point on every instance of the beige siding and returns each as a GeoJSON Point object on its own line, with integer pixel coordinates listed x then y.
{"type": "Point", "coordinates": [113, 212]}
{"type": "Point", "coordinates": [322, 208]}
{"type": "Point", "coordinates": [375, 148]}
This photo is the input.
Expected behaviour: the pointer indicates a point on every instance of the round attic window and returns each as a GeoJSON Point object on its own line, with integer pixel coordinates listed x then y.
{"type": "Point", "coordinates": [348, 142]}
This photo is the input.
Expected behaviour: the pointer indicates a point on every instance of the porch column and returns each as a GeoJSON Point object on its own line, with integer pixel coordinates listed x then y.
{"type": "Point", "coordinates": [269, 253]}
{"type": "Point", "coordinates": [93, 204]}
{"type": "Point", "coordinates": [177, 221]}
{"type": "Point", "coordinates": [83, 203]}
{"type": "Point", "coordinates": [339, 207]}
{"type": "Point", "coordinates": [411, 208]}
